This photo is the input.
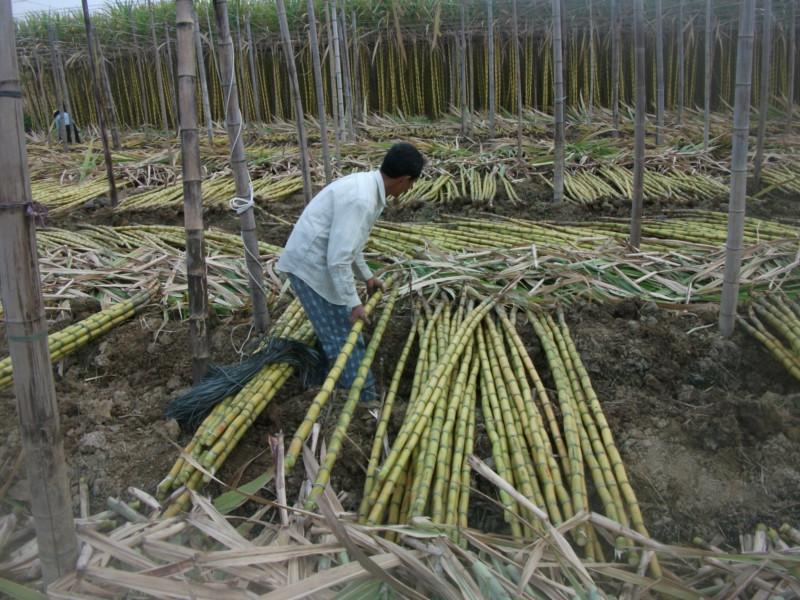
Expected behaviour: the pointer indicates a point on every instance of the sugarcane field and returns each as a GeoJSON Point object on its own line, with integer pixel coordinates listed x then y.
{"type": "Point", "coordinates": [345, 299]}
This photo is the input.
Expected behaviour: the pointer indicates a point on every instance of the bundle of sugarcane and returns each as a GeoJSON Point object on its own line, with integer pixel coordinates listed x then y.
{"type": "Point", "coordinates": [774, 320]}
{"type": "Point", "coordinates": [585, 187]}
{"type": "Point", "coordinates": [784, 176]}
{"type": "Point", "coordinates": [69, 339]}
{"type": "Point", "coordinates": [226, 424]}
{"type": "Point", "coordinates": [60, 198]}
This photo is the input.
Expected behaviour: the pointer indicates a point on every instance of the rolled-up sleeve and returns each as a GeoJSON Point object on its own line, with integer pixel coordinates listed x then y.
{"type": "Point", "coordinates": [348, 234]}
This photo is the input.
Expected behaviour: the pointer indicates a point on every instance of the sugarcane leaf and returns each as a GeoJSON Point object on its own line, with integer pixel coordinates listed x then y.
{"type": "Point", "coordinates": [233, 499]}
{"type": "Point", "coordinates": [19, 592]}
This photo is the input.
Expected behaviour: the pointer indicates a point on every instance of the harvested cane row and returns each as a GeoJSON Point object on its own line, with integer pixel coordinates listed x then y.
{"type": "Point", "coordinates": [774, 320]}
{"type": "Point", "coordinates": [69, 339]}
{"type": "Point", "coordinates": [469, 183]}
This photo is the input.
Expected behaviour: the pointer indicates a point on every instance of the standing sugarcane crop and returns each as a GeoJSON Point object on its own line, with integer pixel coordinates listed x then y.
{"type": "Point", "coordinates": [324, 251]}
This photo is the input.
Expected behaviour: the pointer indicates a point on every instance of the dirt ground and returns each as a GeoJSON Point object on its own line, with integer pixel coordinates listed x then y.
{"type": "Point", "coordinates": [708, 428]}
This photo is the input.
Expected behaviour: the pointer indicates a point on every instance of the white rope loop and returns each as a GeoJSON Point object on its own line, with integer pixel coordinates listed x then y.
{"type": "Point", "coordinates": [242, 205]}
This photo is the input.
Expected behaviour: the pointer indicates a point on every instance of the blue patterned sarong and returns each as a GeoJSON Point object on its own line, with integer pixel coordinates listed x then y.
{"type": "Point", "coordinates": [332, 325]}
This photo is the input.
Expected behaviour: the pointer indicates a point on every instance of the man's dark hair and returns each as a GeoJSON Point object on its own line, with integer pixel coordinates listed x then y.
{"type": "Point", "coordinates": [402, 159]}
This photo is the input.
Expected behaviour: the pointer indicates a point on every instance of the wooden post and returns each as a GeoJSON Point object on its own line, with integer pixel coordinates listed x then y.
{"type": "Point", "coordinates": [101, 125]}
{"type": "Point", "coordinates": [680, 66]}
{"type": "Point", "coordinates": [294, 88]}
{"type": "Point", "coordinates": [708, 74]}
{"type": "Point", "coordinates": [337, 61]}
{"type": "Point", "coordinates": [201, 66]}
{"type": "Point", "coordinates": [462, 70]}
{"type": "Point", "coordinates": [638, 136]}
{"type": "Point", "coordinates": [736, 204]}
{"type": "Point", "coordinates": [233, 122]}
{"type": "Point", "coordinates": [558, 106]}
{"type": "Point", "coordinates": [173, 83]}
{"type": "Point", "coordinates": [335, 98]}
{"type": "Point", "coordinates": [615, 60]}
{"type": "Point", "coordinates": [592, 67]}
{"type": "Point", "coordinates": [26, 329]}
{"type": "Point", "coordinates": [517, 76]}
{"type": "Point", "coordinates": [251, 53]}
{"type": "Point", "coordinates": [62, 129]}
{"type": "Point", "coordinates": [792, 65]}
{"type": "Point", "coordinates": [320, 92]}
{"type": "Point", "coordinates": [159, 78]}
{"type": "Point", "coordinates": [763, 92]}
{"type": "Point", "coordinates": [108, 99]}
{"type": "Point", "coordinates": [348, 80]}
{"type": "Point", "coordinates": [192, 198]}
{"type": "Point", "coordinates": [659, 73]}
{"type": "Point", "coordinates": [490, 50]}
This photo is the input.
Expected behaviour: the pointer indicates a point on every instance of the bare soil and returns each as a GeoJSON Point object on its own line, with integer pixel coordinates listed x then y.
{"type": "Point", "coordinates": [709, 428]}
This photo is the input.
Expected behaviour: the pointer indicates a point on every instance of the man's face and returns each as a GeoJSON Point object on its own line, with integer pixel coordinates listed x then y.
{"type": "Point", "coordinates": [406, 183]}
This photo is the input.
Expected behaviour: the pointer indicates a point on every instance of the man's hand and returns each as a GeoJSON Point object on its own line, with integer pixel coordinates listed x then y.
{"type": "Point", "coordinates": [358, 312]}
{"type": "Point", "coordinates": [374, 284]}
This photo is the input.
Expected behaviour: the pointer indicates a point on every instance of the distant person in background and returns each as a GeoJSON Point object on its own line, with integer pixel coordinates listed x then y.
{"type": "Point", "coordinates": [69, 127]}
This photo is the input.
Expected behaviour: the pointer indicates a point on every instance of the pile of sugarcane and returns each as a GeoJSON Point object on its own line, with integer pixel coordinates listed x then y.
{"type": "Point", "coordinates": [468, 183]}
{"type": "Point", "coordinates": [73, 337]}
{"type": "Point", "coordinates": [774, 320]}
{"type": "Point", "coordinates": [474, 374]}
{"type": "Point", "coordinates": [62, 198]}
{"type": "Point", "coordinates": [226, 424]}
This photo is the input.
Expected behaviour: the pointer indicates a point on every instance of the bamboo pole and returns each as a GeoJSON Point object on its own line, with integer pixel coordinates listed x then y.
{"type": "Point", "coordinates": [641, 109]}
{"type": "Point", "coordinates": [173, 82]}
{"type": "Point", "coordinates": [101, 125]}
{"type": "Point", "coordinates": [462, 69]}
{"type": "Point", "coordinates": [517, 76]}
{"type": "Point", "coordinates": [334, 93]}
{"type": "Point", "coordinates": [241, 176]}
{"type": "Point", "coordinates": [736, 204]}
{"type": "Point", "coordinates": [659, 73]}
{"type": "Point", "coordinates": [592, 66]}
{"type": "Point", "coordinates": [108, 98]}
{"type": "Point", "coordinates": [62, 127]}
{"type": "Point", "coordinates": [337, 63]}
{"type": "Point", "coordinates": [201, 67]}
{"type": "Point", "coordinates": [490, 49]}
{"type": "Point", "coordinates": [558, 105]}
{"type": "Point", "coordinates": [708, 75]}
{"type": "Point", "coordinates": [792, 65]}
{"type": "Point", "coordinates": [346, 73]}
{"type": "Point", "coordinates": [253, 73]}
{"type": "Point", "coordinates": [763, 92]}
{"type": "Point", "coordinates": [358, 108]}
{"type": "Point", "coordinates": [615, 59]}
{"type": "Point", "coordinates": [26, 329]}
{"type": "Point", "coordinates": [319, 90]}
{"type": "Point", "coordinates": [162, 104]}
{"type": "Point", "coordinates": [196, 273]}
{"type": "Point", "coordinates": [294, 88]}
{"type": "Point", "coordinates": [680, 66]}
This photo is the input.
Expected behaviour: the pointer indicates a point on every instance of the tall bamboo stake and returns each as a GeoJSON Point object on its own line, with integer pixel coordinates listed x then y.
{"type": "Point", "coordinates": [641, 109]}
{"type": "Point", "coordinates": [358, 109]}
{"type": "Point", "coordinates": [294, 88]}
{"type": "Point", "coordinates": [347, 75]}
{"type": "Point", "coordinates": [591, 60]}
{"type": "Point", "coordinates": [708, 75]}
{"type": "Point", "coordinates": [196, 273]}
{"type": "Point", "coordinates": [517, 76]}
{"type": "Point", "coordinates": [337, 58]}
{"type": "Point", "coordinates": [108, 99]}
{"type": "Point", "coordinates": [101, 125]}
{"type": "Point", "coordinates": [253, 73]}
{"type": "Point", "coordinates": [26, 329]}
{"type": "Point", "coordinates": [736, 204]}
{"type": "Point", "coordinates": [62, 127]}
{"type": "Point", "coordinates": [659, 73]}
{"type": "Point", "coordinates": [201, 67]}
{"type": "Point", "coordinates": [334, 93]}
{"type": "Point", "coordinates": [763, 92]}
{"type": "Point", "coordinates": [319, 90]}
{"type": "Point", "coordinates": [462, 69]}
{"type": "Point", "coordinates": [792, 65]}
{"type": "Point", "coordinates": [680, 66]}
{"type": "Point", "coordinates": [490, 49]}
{"type": "Point", "coordinates": [558, 105]}
{"type": "Point", "coordinates": [159, 78]}
{"type": "Point", "coordinates": [615, 60]}
{"type": "Point", "coordinates": [173, 82]}
{"type": "Point", "coordinates": [233, 122]}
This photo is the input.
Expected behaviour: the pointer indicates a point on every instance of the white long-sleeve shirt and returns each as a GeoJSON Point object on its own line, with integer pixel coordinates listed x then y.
{"type": "Point", "coordinates": [326, 244]}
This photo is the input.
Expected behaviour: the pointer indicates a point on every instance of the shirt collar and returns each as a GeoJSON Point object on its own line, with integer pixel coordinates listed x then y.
{"type": "Point", "coordinates": [381, 189]}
